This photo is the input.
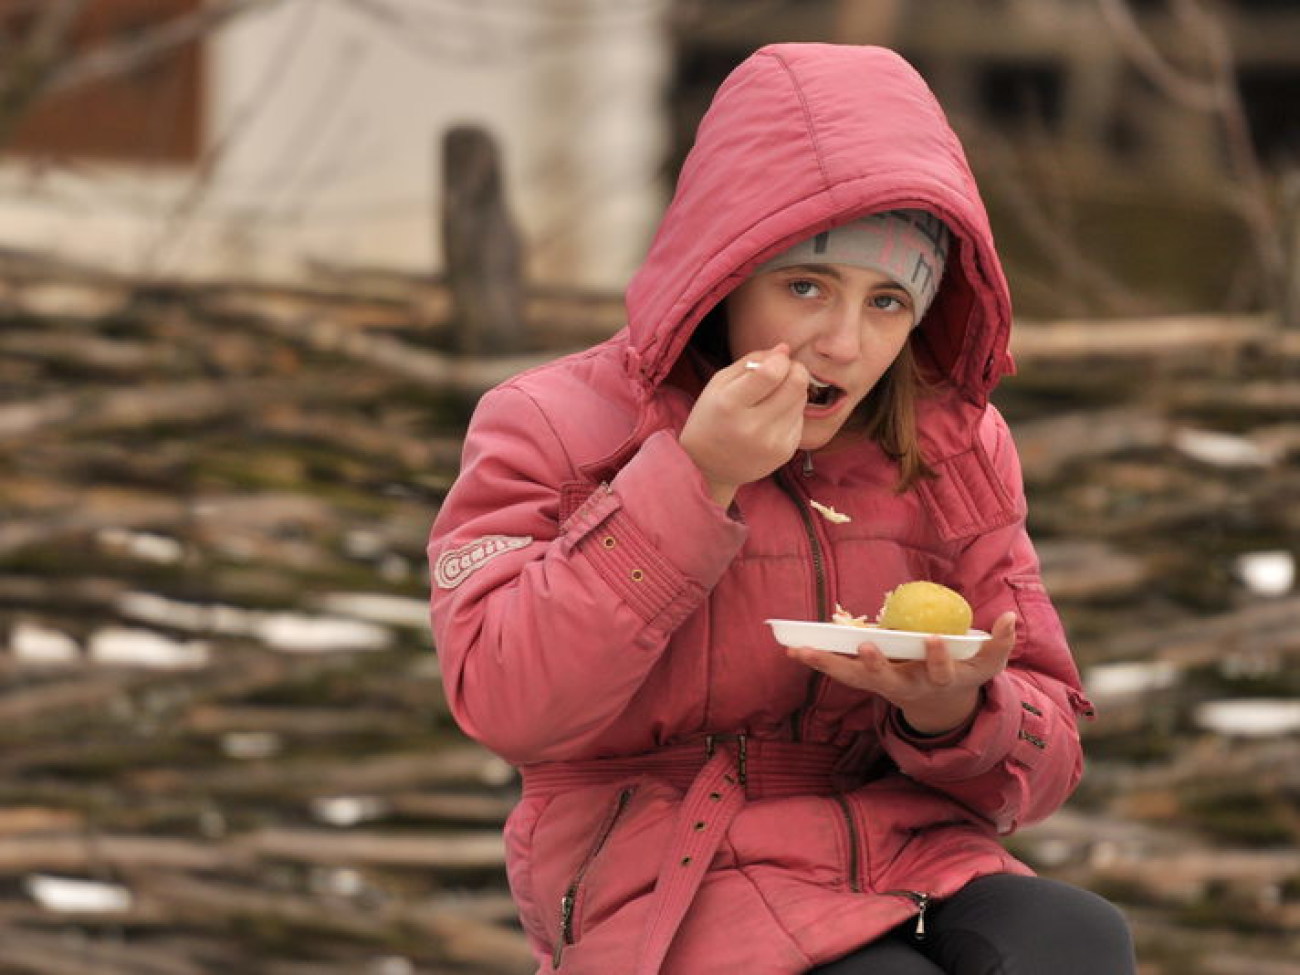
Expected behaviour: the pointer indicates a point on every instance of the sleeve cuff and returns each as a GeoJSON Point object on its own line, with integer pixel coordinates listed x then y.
{"type": "Point", "coordinates": [654, 535]}
{"type": "Point", "coordinates": [988, 737]}
{"type": "Point", "coordinates": [944, 739]}
{"type": "Point", "coordinates": [663, 490]}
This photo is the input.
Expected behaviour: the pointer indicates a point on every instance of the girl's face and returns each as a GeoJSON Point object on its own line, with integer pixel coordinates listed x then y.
{"type": "Point", "coordinates": [845, 324]}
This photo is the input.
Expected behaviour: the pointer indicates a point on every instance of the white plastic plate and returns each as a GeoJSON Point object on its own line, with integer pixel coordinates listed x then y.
{"type": "Point", "coordinates": [894, 644]}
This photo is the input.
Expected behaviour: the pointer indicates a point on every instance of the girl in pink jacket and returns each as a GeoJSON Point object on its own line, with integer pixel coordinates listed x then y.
{"type": "Point", "coordinates": [821, 318]}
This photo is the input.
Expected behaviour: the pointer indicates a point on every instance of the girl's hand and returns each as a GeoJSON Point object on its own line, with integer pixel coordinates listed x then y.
{"type": "Point", "coordinates": [747, 421]}
{"type": "Point", "coordinates": [936, 694]}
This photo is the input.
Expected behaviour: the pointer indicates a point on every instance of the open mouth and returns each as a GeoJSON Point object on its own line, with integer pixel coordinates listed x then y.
{"type": "Point", "coordinates": [822, 394]}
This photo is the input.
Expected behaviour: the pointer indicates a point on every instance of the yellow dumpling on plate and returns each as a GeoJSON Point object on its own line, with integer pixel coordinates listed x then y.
{"type": "Point", "coordinates": [925, 607]}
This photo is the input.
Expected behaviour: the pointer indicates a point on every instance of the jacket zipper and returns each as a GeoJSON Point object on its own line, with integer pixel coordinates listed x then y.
{"type": "Point", "coordinates": [855, 858]}
{"type": "Point", "coordinates": [815, 679]}
{"type": "Point", "coordinates": [922, 902]}
{"type": "Point", "coordinates": [569, 901]}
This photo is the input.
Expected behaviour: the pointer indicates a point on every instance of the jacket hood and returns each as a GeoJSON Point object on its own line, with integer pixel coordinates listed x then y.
{"type": "Point", "coordinates": [799, 139]}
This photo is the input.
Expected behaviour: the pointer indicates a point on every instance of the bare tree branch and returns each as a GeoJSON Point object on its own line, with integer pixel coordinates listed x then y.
{"type": "Point", "coordinates": [32, 66]}
{"type": "Point", "coordinates": [45, 64]}
{"type": "Point", "coordinates": [1193, 92]}
{"type": "Point", "coordinates": [1092, 288]}
{"type": "Point", "coordinates": [273, 73]}
{"type": "Point", "coordinates": [122, 56]}
{"type": "Point", "coordinates": [1254, 201]}
{"type": "Point", "coordinates": [1219, 96]}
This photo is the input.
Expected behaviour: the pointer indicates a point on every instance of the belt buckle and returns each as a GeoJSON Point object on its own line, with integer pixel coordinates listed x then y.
{"type": "Point", "coordinates": [742, 751]}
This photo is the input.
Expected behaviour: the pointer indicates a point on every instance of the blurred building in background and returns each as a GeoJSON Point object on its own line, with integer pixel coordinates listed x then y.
{"type": "Point", "coordinates": [301, 131]}
{"type": "Point", "coordinates": [309, 130]}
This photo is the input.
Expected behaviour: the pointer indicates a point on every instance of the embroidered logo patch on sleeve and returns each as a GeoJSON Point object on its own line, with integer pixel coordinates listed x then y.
{"type": "Point", "coordinates": [456, 565]}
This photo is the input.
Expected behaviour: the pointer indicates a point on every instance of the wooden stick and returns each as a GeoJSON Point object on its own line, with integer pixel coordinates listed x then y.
{"type": "Point", "coordinates": [461, 850]}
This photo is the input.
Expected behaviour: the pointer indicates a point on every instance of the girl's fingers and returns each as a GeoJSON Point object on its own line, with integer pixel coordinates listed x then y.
{"type": "Point", "coordinates": [796, 381]}
{"type": "Point", "coordinates": [840, 666]}
{"type": "Point", "coordinates": [771, 362]}
{"type": "Point", "coordinates": [770, 371]}
{"type": "Point", "coordinates": [912, 679]}
{"type": "Point", "coordinates": [1005, 627]}
{"type": "Point", "coordinates": [1003, 639]}
{"type": "Point", "coordinates": [939, 665]}
{"type": "Point", "coordinates": [992, 657]}
{"type": "Point", "coordinates": [784, 395]}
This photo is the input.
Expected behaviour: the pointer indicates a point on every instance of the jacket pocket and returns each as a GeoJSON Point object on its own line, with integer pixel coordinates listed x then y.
{"type": "Point", "coordinates": [940, 857]}
{"type": "Point", "coordinates": [1041, 629]}
{"type": "Point", "coordinates": [1039, 621]}
{"type": "Point", "coordinates": [893, 820]}
{"type": "Point", "coordinates": [570, 930]}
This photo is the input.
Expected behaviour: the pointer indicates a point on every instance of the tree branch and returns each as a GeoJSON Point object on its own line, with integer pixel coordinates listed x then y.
{"type": "Point", "coordinates": [120, 57]}
{"type": "Point", "coordinates": [30, 69]}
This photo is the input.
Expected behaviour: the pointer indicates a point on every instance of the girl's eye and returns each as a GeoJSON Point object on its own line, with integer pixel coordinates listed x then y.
{"type": "Point", "coordinates": [888, 302]}
{"type": "Point", "coordinates": [803, 288]}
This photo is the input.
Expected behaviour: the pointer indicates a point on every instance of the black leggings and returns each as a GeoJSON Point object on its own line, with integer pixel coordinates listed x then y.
{"type": "Point", "coordinates": [1004, 925]}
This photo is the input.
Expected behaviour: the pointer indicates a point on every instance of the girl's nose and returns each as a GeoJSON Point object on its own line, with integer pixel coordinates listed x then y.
{"type": "Point", "coordinates": [840, 337]}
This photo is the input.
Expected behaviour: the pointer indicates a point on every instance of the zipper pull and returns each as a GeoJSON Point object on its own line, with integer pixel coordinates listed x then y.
{"type": "Point", "coordinates": [807, 463]}
{"type": "Point", "coordinates": [922, 902]}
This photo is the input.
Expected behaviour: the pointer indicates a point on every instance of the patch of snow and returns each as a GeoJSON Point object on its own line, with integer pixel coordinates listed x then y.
{"type": "Point", "coordinates": [145, 648]}
{"type": "Point", "coordinates": [1250, 717]}
{"type": "Point", "coordinates": [348, 810]}
{"type": "Point", "coordinates": [293, 632]}
{"type": "Point", "coordinates": [39, 644]}
{"type": "Point", "coordinates": [1129, 679]}
{"type": "Point", "coordinates": [251, 744]}
{"type": "Point", "coordinates": [1266, 573]}
{"type": "Point", "coordinates": [145, 546]}
{"type": "Point", "coordinates": [379, 608]}
{"type": "Point", "coordinates": [1222, 449]}
{"type": "Point", "coordinates": [72, 895]}
{"type": "Point", "coordinates": [317, 634]}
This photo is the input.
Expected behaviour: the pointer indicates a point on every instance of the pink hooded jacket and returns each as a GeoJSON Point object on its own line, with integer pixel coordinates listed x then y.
{"type": "Point", "coordinates": [693, 800]}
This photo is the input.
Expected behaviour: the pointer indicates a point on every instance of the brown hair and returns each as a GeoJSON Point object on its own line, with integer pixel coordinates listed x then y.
{"type": "Point", "coordinates": [888, 416]}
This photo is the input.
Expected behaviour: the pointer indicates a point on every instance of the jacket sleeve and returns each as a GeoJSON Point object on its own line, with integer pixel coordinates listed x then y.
{"type": "Point", "coordinates": [544, 630]}
{"type": "Point", "coordinates": [1021, 757]}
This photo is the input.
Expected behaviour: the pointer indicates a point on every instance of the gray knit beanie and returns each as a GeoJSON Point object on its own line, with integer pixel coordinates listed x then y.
{"type": "Point", "coordinates": [911, 246]}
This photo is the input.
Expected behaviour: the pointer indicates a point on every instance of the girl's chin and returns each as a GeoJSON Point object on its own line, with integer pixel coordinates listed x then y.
{"type": "Point", "coordinates": [816, 439]}
{"type": "Point", "coordinates": [818, 436]}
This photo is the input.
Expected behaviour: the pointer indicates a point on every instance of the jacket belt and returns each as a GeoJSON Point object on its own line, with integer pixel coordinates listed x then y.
{"type": "Point", "coordinates": [718, 775]}
{"type": "Point", "coordinates": [766, 767]}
